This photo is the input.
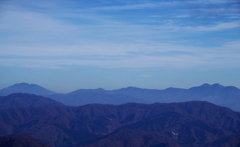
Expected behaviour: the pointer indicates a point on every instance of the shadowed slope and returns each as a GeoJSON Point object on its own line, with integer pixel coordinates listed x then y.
{"type": "Point", "coordinates": [134, 138]}
{"type": "Point", "coordinates": [26, 100]}
{"type": "Point", "coordinates": [189, 123]}
{"type": "Point", "coordinates": [230, 141]}
{"type": "Point", "coordinates": [21, 140]}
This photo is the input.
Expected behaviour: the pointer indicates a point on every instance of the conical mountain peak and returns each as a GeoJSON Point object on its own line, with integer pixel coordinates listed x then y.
{"type": "Point", "coordinates": [22, 87]}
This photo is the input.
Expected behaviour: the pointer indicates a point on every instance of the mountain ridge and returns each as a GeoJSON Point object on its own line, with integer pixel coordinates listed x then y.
{"type": "Point", "coordinates": [175, 124]}
{"type": "Point", "coordinates": [228, 96]}
{"type": "Point", "coordinates": [26, 100]}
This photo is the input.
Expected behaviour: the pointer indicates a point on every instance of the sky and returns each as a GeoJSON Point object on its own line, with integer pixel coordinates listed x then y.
{"type": "Point", "coordinates": [65, 45]}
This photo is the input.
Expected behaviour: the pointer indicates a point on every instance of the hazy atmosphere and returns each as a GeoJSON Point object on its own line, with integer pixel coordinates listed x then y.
{"type": "Point", "coordinates": [66, 45]}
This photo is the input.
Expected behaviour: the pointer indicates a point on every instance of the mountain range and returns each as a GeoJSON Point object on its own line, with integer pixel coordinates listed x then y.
{"type": "Point", "coordinates": [228, 96]}
{"type": "Point", "coordinates": [182, 124]}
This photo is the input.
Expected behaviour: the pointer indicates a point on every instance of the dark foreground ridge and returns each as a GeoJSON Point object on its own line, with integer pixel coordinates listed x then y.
{"type": "Point", "coordinates": [21, 140]}
{"type": "Point", "coordinates": [26, 100]}
{"type": "Point", "coordinates": [185, 124]}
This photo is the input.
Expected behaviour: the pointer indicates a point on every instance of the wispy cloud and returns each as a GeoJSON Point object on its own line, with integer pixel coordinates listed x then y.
{"type": "Point", "coordinates": [217, 27]}
{"type": "Point", "coordinates": [135, 6]}
{"type": "Point", "coordinates": [225, 56]}
{"type": "Point", "coordinates": [42, 38]}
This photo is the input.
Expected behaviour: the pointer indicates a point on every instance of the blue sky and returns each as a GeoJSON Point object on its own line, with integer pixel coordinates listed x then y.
{"type": "Point", "coordinates": [65, 45]}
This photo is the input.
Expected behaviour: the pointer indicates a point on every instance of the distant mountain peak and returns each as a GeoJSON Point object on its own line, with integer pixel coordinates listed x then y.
{"type": "Point", "coordinates": [130, 88]}
{"type": "Point", "coordinates": [100, 89]}
{"type": "Point", "coordinates": [21, 83]}
{"type": "Point", "coordinates": [218, 85]}
{"type": "Point", "coordinates": [22, 87]}
{"type": "Point", "coordinates": [206, 85]}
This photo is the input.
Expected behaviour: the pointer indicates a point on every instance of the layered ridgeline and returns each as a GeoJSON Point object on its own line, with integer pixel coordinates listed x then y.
{"type": "Point", "coordinates": [174, 124]}
{"type": "Point", "coordinates": [228, 96]}
{"type": "Point", "coordinates": [26, 100]}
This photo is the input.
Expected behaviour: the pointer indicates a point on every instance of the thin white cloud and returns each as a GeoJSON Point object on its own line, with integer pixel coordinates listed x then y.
{"type": "Point", "coordinates": [183, 16]}
{"type": "Point", "coordinates": [134, 6]}
{"type": "Point", "coordinates": [225, 56]}
{"type": "Point", "coordinates": [149, 4]}
{"type": "Point", "coordinates": [217, 27]}
{"type": "Point", "coordinates": [233, 46]}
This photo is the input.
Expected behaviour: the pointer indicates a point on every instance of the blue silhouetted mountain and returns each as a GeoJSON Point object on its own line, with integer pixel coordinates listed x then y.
{"type": "Point", "coordinates": [91, 96]}
{"type": "Point", "coordinates": [227, 96]}
{"type": "Point", "coordinates": [26, 100]}
{"type": "Point", "coordinates": [25, 88]}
